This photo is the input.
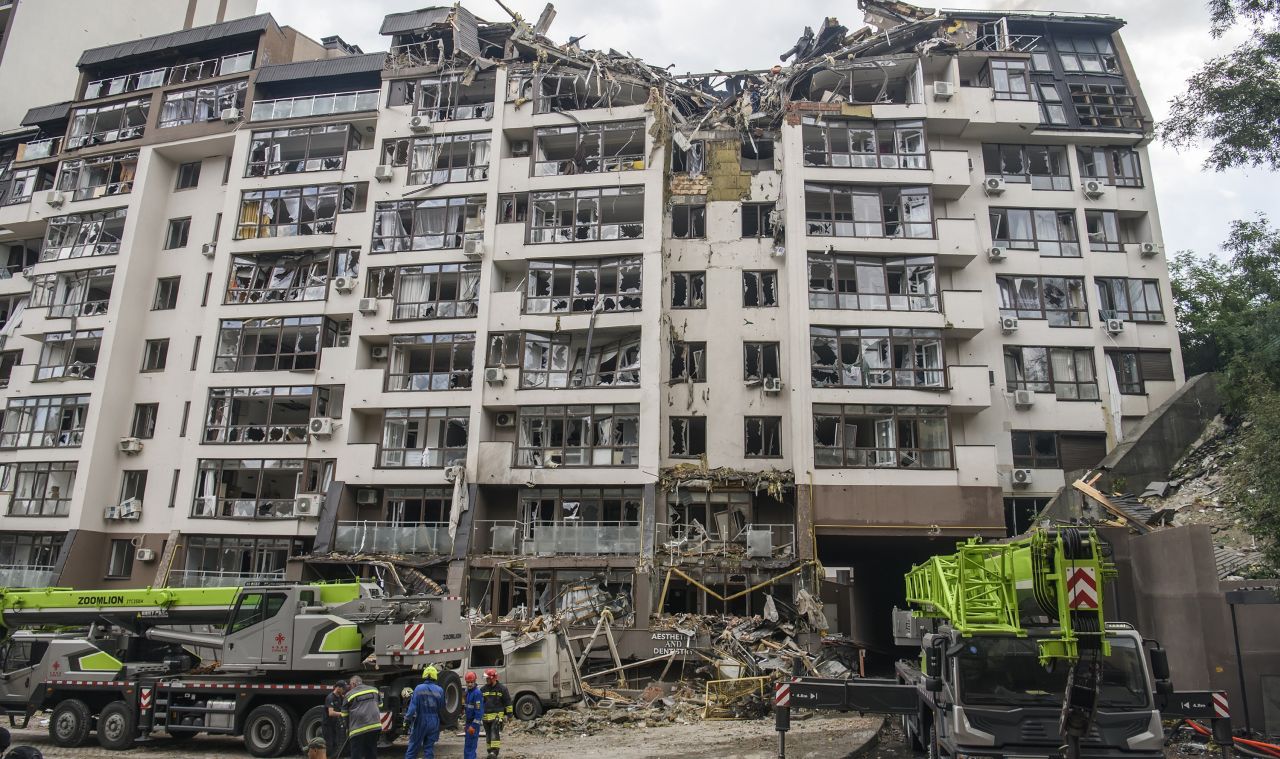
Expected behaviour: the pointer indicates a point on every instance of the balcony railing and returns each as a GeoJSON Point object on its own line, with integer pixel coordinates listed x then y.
{"type": "Point", "coordinates": [393, 537]}
{"type": "Point", "coordinates": [38, 149]}
{"type": "Point", "coordinates": [187, 72]}
{"type": "Point", "coordinates": [73, 310]}
{"type": "Point", "coordinates": [212, 507]}
{"type": "Point", "coordinates": [753, 541]}
{"type": "Point", "coordinates": [25, 576]}
{"type": "Point", "coordinates": [515, 538]}
{"type": "Point", "coordinates": [190, 578]}
{"type": "Point", "coordinates": [414, 54]}
{"type": "Point", "coordinates": [315, 105]}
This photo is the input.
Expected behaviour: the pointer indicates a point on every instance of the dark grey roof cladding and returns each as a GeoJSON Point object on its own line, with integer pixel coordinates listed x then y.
{"type": "Point", "coordinates": [398, 23]}
{"type": "Point", "coordinates": [46, 113]}
{"type": "Point", "coordinates": [163, 42]}
{"type": "Point", "coordinates": [346, 64]}
{"type": "Point", "coordinates": [467, 33]}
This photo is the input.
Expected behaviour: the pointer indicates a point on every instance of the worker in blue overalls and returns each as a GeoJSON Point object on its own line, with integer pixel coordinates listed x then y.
{"type": "Point", "coordinates": [473, 718]}
{"type": "Point", "coordinates": [426, 708]}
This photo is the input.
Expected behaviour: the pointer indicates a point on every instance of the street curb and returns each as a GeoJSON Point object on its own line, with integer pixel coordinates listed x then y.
{"type": "Point", "coordinates": [871, 743]}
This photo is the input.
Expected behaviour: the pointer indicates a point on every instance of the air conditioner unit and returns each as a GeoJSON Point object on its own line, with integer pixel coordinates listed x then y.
{"type": "Point", "coordinates": [1148, 249]}
{"type": "Point", "coordinates": [993, 185]}
{"type": "Point", "coordinates": [366, 497]}
{"type": "Point", "coordinates": [320, 427]}
{"type": "Point", "coordinates": [382, 172]}
{"type": "Point", "coordinates": [779, 251]}
{"type": "Point", "coordinates": [771, 385]}
{"type": "Point", "coordinates": [495, 375]}
{"type": "Point", "coordinates": [1008, 324]}
{"type": "Point", "coordinates": [473, 249]}
{"type": "Point", "coordinates": [504, 419]}
{"type": "Point", "coordinates": [453, 472]}
{"type": "Point", "coordinates": [344, 341]}
{"type": "Point", "coordinates": [378, 352]}
{"type": "Point", "coordinates": [368, 306]}
{"type": "Point", "coordinates": [995, 254]}
{"type": "Point", "coordinates": [209, 249]}
{"type": "Point", "coordinates": [28, 272]}
{"type": "Point", "coordinates": [308, 505]}
{"type": "Point", "coordinates": [344, 285]}
{"type": "Point", "coordinates": [206, 506]}
{"type": "Point", "coordinates": [1024, 398]}
{"type": "Point", "coordinates": [1114, 326]}
{"type": "Point", "coordinates": [419, 125]}
{"type": "Point", "coordinates": [230, 115]}
{"type": "Point", "coordinates": [55, 198]}
{"type": "Point", "coordinates": [130, 445]}
{"type": "Point", "coordinates": [520, 148]}
{"type": "Point", "coordinates": [1093, 188]}
{"type": "Point", "coordinates": [145, 554]}
{"type": "Point", "coordinates": [129, 509]}
{"type": "Point", "coordinates": [943, 90]}
{"type": "Point", "coordinates": [1021, 478]}
{"type": "Point", "coordinates": [111, 513]}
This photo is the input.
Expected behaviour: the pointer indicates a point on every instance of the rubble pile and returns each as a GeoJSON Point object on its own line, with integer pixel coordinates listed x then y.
{"type": "Point", "coordinates": [684, 707]}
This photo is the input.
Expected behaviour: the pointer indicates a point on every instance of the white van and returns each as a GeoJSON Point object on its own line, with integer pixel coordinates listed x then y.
{"type": "Point", "coordinates": [539, 675]}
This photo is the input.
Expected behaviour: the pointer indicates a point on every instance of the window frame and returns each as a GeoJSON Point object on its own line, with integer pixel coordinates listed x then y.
{"type": "Point", "coordinates": [1036, 181]}
{"type": "Point", "coordinates": [311, 209]}
{"type": "Point", "coordinates": [462, 220]}
{"type": "Point", "coordinates": [1111, 158]}
{"type": "Point", "coordinates": [556, 422]}
{"type": "Point", "coordinates": [1000, 217]}
{"type": "Point", "coordinates": [274, 329]}
{"type": "Point", "coordinates": [33, 477]}
{"type": "Point", "coordinates": [84, 235]}
{"type": "Point", "coordinates": [69, 343]}
{"type": "Point", "coordinates": [687, 352]}
{"type": "Point", "coordinates": [189, 103]}
{"type": "Point", "coordinates": [143, 423]}
{"type": "Point", "coordinates": [767, 425]}
{"type": "Point", "coordinates": [1006, 285]}
{"type": "Point", "coordinates": [1097, 102]}
{"type": "Point", "coordinates": [617, 269]}
{"type": "Point", "coordinates": [693, 226]}
{"type": "Point", "coordinates": [122, 167]}
{"type": "Point", "coordinates": [836, 297]}
{"type": "Point", "coordinates": [693, 282]}
{"type": "Point", "coordinates": [44, 421]}
{"type": "Point", "coordinates": [177, 233]}
{"type": "Point", "coordinates": [1001, 84]}
{"type": "Point", "coordinates": [188, 178]}
{"type": "Point", "coordinates": [307, 475]}
{"type": "Point", "coordinates": [1051, 383]}
{"type": "Point", "coordinates": [893, 209]}
{"type": "Point", "coordinates": [759, 290]}
{"type": "Point", "coordinates": [584, 161]}
{"type": "Point", "coordinates": [155, 354]}
{"type": "Point", "coordinates": [454, 374]}
{"type": "Point", "coordinates": [1106, 288]}
{"type": "Point", "coordinates": [758, 352]}
{"type": "Point", "coordinates": [166, 297]}
{"type": "Point", "coordinates": [759, 216]}
{"type": "Point", "coordinates": [572, 228]}
{"type": "Point", "coordinates": [878, 457]}
{"type": "Point", "coordinates": [874, 134]}
{"type": "Point", "coordinates": [1034, 459]}
{"type": "Point", "coordinates": [472, 170]}
{"type": "Point", "coordinates": [1104, 231]}
{"type": "Point", "coordinates": [686, 429]}
{"type": "Point", "coordinates": [907, 342]}
{"type": "Point", "coordinates": [220, 425]}
{"type": "Point", "coordinates": [448, 418]}
{"type": "Point", "coordinates": [122, 570]}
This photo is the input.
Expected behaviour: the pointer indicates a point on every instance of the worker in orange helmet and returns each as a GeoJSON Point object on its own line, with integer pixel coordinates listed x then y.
{"type": "Point", "coordinates": [497, 706]}
{"type": "Point", "coordinates": [473, 718]}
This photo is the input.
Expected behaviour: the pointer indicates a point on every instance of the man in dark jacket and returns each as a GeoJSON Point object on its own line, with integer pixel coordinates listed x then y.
{"type": "Point", "coordinates": [364, 719]}
{"type": "Point", "coordinates": [335, 734]}
{"type": "Point", "coordinates": [497, 706]}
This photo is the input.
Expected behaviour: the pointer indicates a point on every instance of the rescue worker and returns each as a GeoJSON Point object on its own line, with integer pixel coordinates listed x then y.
{"type": "Point", "coordinates": [426, 708]}
{"type": "Point", "coordinates": [363, 712]}
{"type": "Point", "coordinates": [497, 705]}
{"type": "Point", "coordinates": [333, 729]}
{"type": "Point", "coordinates": [472, 718]}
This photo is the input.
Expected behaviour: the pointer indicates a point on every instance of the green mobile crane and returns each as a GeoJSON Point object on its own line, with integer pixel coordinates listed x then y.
{"type": "Point", "coordinates": [255, 661]}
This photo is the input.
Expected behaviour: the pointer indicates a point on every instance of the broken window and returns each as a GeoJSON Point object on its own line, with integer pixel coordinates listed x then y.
{"type": "Point", "coordinates": [866, 436]}
{"type": "Point", "coordinates": [1060, 300]}
{"type": "Point", "coordinates": [1107, 106]}
{"type": "Point", "coordinates": [589, 148]}
{"type": "Point", "coordinates": [51, 421]}
{"type": "Point", "coordinates": [17, 256]}
{"type": "Point", "coordinates": [324, 104]}
{"type": "Point", "coordinates": [1104, 231]}
{"type": "Point", "coordinates": [1117, 166]}
{"type": "Point", "coordinates": [431, 362]}
{"type": "Point", "coordinates": [290, 343]}
{"type": "Point", "coordinates": [18, 186]}
{"type": "Point", "coordinates": [1051, 232]}
{"type": "Point", "coordinates": [143, 425]}
{"type": "Point", "coordinates": [610, 213]}
{"type": "Point", "coordinates": [1087, 55]}
{"type": "Point", "coordinates": [166, 297]}
{"type": "Point", "coordinates": [8, 360]}
{"type": "Point", "coordinates": [42, 488]}
{"type": "Point", "coordinates": [762, 437]}
{"type": "Point", "coordinates": [759, 289]}
{"type": "Point", "coordinates": [563, 286]}
{"type": "Point", "coordinates": [720, 515]}
{"type": "Point", "coordinates": [301, 149]}
{"type": "Point", "coordinates": [267, 414]}
{"type": "Point", "coordinates": [756, 154]}
{"type": "Point", "coordinates": [876, 357]}
{"type": "Point", "coordinates": [436, 291]}
{"type": "Point", "coordinates": [1008, 79]}
{"type": "Point", "coordinates": [688, 362]}
{"type": "Point", "coordinates": [1068, 373]}
{"type": "Point", "coordinates": [225, 559]}
{"type": "Point", "coordinates": [513, 207]}
{"type": "Point", "coordinates": [177, 233]}
{"type": "Point", "coordinates": [112, 122]}
{"type": "Point", "coordinates": [757, 220]}
{"type": "Point", "coordinates": [1035, 449]}
{"type": "Point", "coordinates": [423, 437]}
{"type": "Point", "coordinates": [760, 361]}
{"type": "Point", "coordinates": [70, 294]}
{"type": "Point", "coordinates": [865, 144]}
{"type": "Point", "coordinates": [688, 289]}
{"type": "Point", "coordinates": [688, 436]}
{"type": "Point", "coordinates": [872, 283]}
{"type": "Point", "coordinates": [455, 96]}
{"type": "Point", "coordinates": [427, 224]}
{"type": "Point", "coordinates": [78, 235]}
{"type": "Point", "coordinates": [504, 349]}
{"type": "Point", "coordinates": [395, 152]}
{"type": "Point", "coordinates": [1044, 167]}
{"type": "Point", "coordinates": [578, 436]}
{"type": "Point", "coordinates": [256, 488]}
{"type": "Point", "coordinates": [155, 354]}
{"type": "Point", "coordinates": [201, 104]}
{"type": "Point", "coordinates": [99, 176]}
{"type": "Point", "coordinates": [689, 220]}
{"type": "Point", "coordinates": [579, 521]}
{"type": "Point", "coordinates": [570, 360]}
{"type": "Point", "coordinates": [1052, 110]}
{"type": "Point", "coordinates": [280, 277]}
{"type": "Point", "coordinates": [31, 552]}
{"type": "Point", "coordinates": [1135, 367]}
{"type": "Point", "coordinates": [859, 211]}
{"type": "Point", "coordinates": [559, 88]}
{"type": "Point", "coordinates": [689, 160]}
{"type": "Point", "coordinates": [292, 211]}
{"type": "Point", "coordinates": [1134, 300]}
{"type": "Point", "coordinates": [449, 158]}
{"type": "Point", "coordinates": [69, 355]}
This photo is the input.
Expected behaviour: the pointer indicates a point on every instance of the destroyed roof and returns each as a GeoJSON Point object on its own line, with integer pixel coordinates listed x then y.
{"type": "Point", "coordinates": [369, 63]}
{"type": "Point", "coordinates": [166, 42]}
{"type": "Point", "coordinates": [1093, 18]}
{"type": "Point", "coordinates": [412, 21]}
{"type": "Point", "coordinates": [42, 114]}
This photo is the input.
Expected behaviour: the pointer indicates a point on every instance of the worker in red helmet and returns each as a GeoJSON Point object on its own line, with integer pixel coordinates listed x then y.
{"type": "Point", "coordinates": [497, 706]}
{"type": "Point", "coordinates": [473, 718]}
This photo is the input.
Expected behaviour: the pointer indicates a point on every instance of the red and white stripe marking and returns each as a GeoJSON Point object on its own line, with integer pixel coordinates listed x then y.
{"type": "Point", "coordinates": [1220, 709]}
{"type": "Point", "coordinates": [415, 636]}
{"type": "Point", "coordinates": [386, 722]}
{"type": "Point", "coordinates": [105, 683]}
{"type": "Point", "coordinates": [1082, 588]}
{"type": "Point", "coordinates": [144, 698]}
{"type": "Point", "coordinates": [782, 695]}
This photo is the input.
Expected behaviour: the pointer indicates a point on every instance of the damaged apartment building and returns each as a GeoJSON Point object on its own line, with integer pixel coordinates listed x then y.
{"type": "Point", "coordinates": [510, 316]}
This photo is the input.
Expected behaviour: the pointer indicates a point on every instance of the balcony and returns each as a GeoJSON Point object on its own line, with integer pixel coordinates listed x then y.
{"type": "Point", "coordinates": [430, 538]}
{"type": "Point", "coordinates": [753, 541]}
{"type": "Point", "coordinates": [24, 576]}
{"type": "Point", "coordinates": [974, 112]}
{"type": "Point", "coordinates": [183, 74]}
{"type": "Point", "coordinates": [190, 578]}
{"type": "Point", "coordinates": [963, 311]}
{"type": "Point", "coordinates": [970, 388]}
{"type": "Point", "coordinates": [38, 149]}
{"type": "Point", "coordinates": [314, 105]}
{"type": "Point", "coordinates": [514, 538]}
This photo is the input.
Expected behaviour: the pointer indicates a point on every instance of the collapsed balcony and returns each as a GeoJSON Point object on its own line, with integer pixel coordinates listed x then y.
{"type": "Point", "coordinates": [589, 148]}
{"type": "Point", "coordinates": [561, 87]}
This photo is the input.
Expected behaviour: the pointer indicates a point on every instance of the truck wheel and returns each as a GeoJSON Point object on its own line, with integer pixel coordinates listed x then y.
{"type": "Point", "coordinates": [117, 726]}
{"type": "Point", "coordinates": [311, 726]}
{"type": "Point", "coordinates": [527, 706]}
{"type": "Point", "coordinates": [452, 685]}
{"type": "Point", "coordinates": [69, 724]}
{"type": "Point", "coordinates": [268, 730]}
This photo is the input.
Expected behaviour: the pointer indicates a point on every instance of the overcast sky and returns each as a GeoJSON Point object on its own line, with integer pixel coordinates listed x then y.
{"type": "Point", "coordinates": [1167, 40]}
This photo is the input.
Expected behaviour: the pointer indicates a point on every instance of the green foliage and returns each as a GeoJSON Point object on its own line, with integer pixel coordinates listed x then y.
{"type": "Point", "coordinates": [1255, 476]}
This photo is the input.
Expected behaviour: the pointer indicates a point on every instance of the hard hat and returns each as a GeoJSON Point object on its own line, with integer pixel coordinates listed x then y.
{"type": "Point", "coordinates": [491, 673]}
{"type": "Point", "coordinates": [430, 672]}
{"type": "Point", "coordinates": [471, 677]}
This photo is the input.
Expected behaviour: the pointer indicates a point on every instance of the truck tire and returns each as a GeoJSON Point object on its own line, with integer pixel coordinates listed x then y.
{"type": "Point", "coordinates": [453, 697]}
{"type": "Point", "coordinates": [69, 724]}
{"type": "Point", "coordinates": [268, 730]}
{"type": "Point", "coordinates": [527, 706]}
{"type": "Point", "coordinates": [312, 726]}
{"type": "Point", "coordinates": [117, 726]}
